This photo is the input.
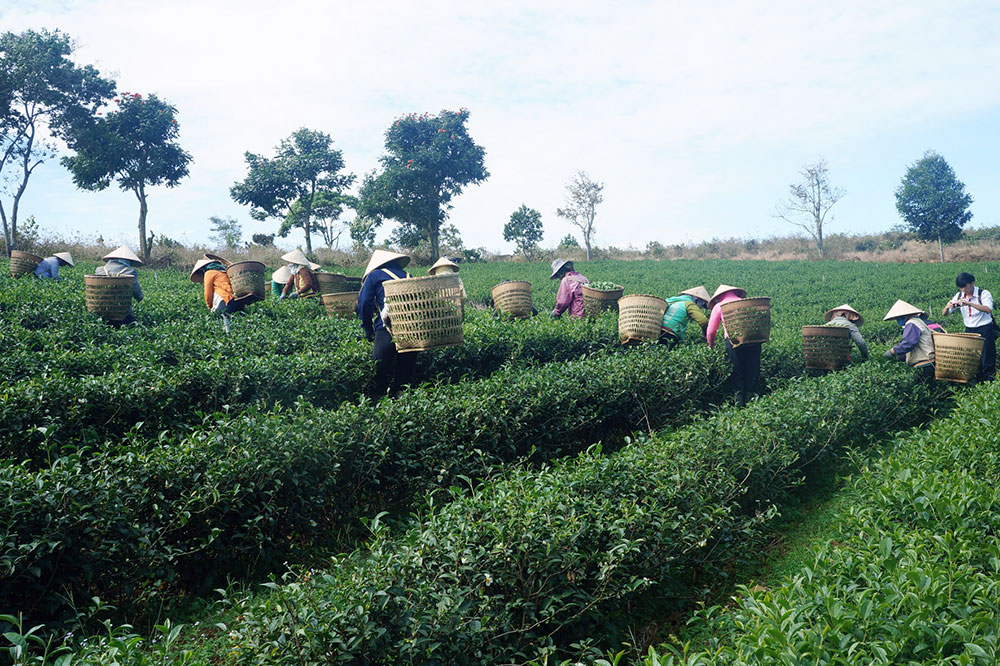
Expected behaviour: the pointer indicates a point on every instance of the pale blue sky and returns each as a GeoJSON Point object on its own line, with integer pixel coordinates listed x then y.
{"type": "Point", "coordinates": [696, 116]}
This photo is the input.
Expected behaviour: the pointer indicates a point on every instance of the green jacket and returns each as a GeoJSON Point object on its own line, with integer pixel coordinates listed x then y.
{"type": "Point", "coordinates": [680, 310]}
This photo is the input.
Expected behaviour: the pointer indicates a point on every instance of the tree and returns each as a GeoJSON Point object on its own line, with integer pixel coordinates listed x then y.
{"type": "Point", "coordinates": [429, 160]}
{"type": "Point", "coordinates": [264, 240]}
{"type": "Point", "coordinates": [42, 94]}
{"type": "Point", "coordinates": [362, 231]}
{"type": "Point", "coordinates": [569, 242]}
{"type": "Point", "coordinates": [810, 201]}
{"type": "Point", "coordinates": [226, 232]}
{"type": "Point", "coordinates": [524, 229]}
{"type": "Point", "coordinates": [326, 210]}
{"type": "Point", "coordinates": [932, 201]}
{"type": "Point", "coordinates": [136, 146]}
{"type": "Point", "coordinates": [287, 185]}
{"type": "Point", "coordinates": [582, 197]}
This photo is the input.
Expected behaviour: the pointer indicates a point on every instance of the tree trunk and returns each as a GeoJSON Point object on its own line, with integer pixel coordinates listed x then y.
{"type": "Point", "coordinates": [435, 238]}
{"type": "Point", "coordinates": [306, 223]}
{"type": "Point", "coordinates": [6, 230]}
{"type": "Point", "coordinates": [819, 240]}
{"type": "Point", "coordinates": [941, 247]}
{"type": "Point", "coordinates": [144, 248]}
{"type": "Point", "coordinates": [586, 242]}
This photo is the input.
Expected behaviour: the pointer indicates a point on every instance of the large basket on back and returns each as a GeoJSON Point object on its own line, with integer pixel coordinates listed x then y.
{"type": "Point", "coordinates": [341, 304]}
{"type": "Point", "coordinates": [956, 356]}
{"type": "Point", "coordinates": [108, 296]}
{"type": "Point", "coordinates": [22, 263]}
{"type": "Point", "coordinates": [747, 320]}
{"type": "Point", "coordinates": [640, 317]}
{"type": "Point", "coordinates": [247, 278]}
{"type": "Point", "coordinates": [513, 298]}
{"type": "Point", "coordinates": [331, 283]}
{"type": "Point", "coordinates": [826, 347]}
{"type": "Point", "coordinates": [596, 301]}
{"type": "Point", "coordinates": [425, 312]}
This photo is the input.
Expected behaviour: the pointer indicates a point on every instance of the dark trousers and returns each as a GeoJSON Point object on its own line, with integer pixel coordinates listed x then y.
{"type": "Point", "coordinates": [988, 362]}
{"type": "Point", "coordinates": [234, 306]}
{"type": "Point", "coordinates": [668, 338]}
{"type": "Point", "coordinates": [746, 370]}
{"type": "Point", "coordinates": [390, 363]}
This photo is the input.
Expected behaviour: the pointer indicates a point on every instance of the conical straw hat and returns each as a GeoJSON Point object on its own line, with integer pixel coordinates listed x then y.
{"type": "Point", "coordinates": [722, 290]}
{"type": "Point", "coordinates": [314, 267]}
{"type": "Point", "coordinates": [65, 256]}
{"type": "Point", "coordinates": [845, 308]}
{"type": "Point", "coordinates": [122, 253]}
{"type": "Point", "coordinates": [902, 309]}
{"type": "Point", "coordinates": [441, 263]}
{"type": "Point", "coordinates": [697, 292]}
{"type": "Point", "coordinates": [382, 257]}
{"type": "Point", "coordinates": [282, 275]}
{"type": "Point", "coordinates": [296, 257]}
{"type": "Point", "coordinates": [557, 264]}
{"type": "Point", "coordinates": [196, 273]}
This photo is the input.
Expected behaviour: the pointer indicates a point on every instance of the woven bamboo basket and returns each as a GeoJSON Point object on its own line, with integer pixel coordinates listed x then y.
{"type": "Point", "coordinates": [825, 347]}
{"type": "Point", "coordinates": [331, 283]}
{"type": "Point", "coordinates": [956, 356]}
{"type": "Point", "coordinates": [747, 320]}
{"type": "Point", "coordinates": [215, 257]}
{"type": "Point", "coordinates": [596, 301]}
{"type": "Point", "coordinates": [425, 312]}
{"type": "Point", "coordinates": [23, 263]}
{"type": "Point", "coordinates": [513, 298]}
{"type": "Point", "coordinates": [353, 283]}
{"type": "Point", "coordinates": [108, 296]}
{"type": "Point", "coordinates": [247, 278]}
{"type": "Point", "coordinates": [341, 304]}
{"type": "Point", "coordinates": [640, 317]}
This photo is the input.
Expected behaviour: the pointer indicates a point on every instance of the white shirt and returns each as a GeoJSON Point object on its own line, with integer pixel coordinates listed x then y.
{"type": "Point", "coordinates": [971, 317]}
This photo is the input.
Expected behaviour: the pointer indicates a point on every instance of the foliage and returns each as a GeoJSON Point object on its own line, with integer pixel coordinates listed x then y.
{"type": "Point", "coordinates": [42, 93]}
{"type": "Point", "coordinates": [524, 229]}
{"type": "Point", "coordinates": [362, 231]}
{"type": "Point", "coordinates": [303, 178]}
{"type": "Point", "coordinates": [568, 242]}
{"type": "Point", "coordinates": [429, 160]}
{"type": "Point", "coordinates": [227, 232]}
{"type": "Point", "coordinates": [135, 146]}
{"type": "Point", "coordinates": [264, 240]}
{"type": "Point", "coordinates": [932, 200]}
{"type": "Point", "coordinates": [582, 197]}
{"type": "Point", "coordinates": [327, 208]}
{"type": "Point", "coordinates": [810, 201]}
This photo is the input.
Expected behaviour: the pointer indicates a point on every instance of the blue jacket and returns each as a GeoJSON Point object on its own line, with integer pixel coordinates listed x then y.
{"type": "Point", "coordinates": [48, 268]}
{"type": "Point", "coordinates": [371, 298]}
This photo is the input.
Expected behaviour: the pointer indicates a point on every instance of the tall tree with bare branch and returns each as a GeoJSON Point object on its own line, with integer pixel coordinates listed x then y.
{"type": "Point", "coordinates": [582, 197]}
{"type": "Point", "coordinates": [810, 201]}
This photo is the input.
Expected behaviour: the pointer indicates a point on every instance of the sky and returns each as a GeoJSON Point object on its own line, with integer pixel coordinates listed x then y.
{"type": "Point", "coordinates": [696, 116]}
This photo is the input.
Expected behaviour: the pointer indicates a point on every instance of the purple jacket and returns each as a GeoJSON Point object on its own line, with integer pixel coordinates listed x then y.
{"type": "Point", "coordinates": [570, 295]}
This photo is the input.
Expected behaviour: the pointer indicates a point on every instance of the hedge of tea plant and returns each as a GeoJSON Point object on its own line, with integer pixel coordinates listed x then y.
{"type": "Point", "coordinates": [911, 577]}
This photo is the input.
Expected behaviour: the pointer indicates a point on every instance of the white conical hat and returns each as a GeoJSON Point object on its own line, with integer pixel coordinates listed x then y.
{"type": "Point", "coordinates": [124, 252]}
{"type": "Point", "coordinates": [282, 275]}
{"type": "Point", "coordinates": [557, 265]}
{"type": "Point", "coordinates": [441, 263]}
{"type": "Point", "coordinates": [296, 256]}
{"type": "Point", "coordinates": [196, 273]}
{"type": "Point", "coordinates": [382, 257]}
{"type": "Point", "coordinates": [698, 292]}
{"type": "Point", "coordinates": [902, 309]}
{"type": "Point", "coordinates": [214, 257]}
{"type": "Point", "coordinates": [722, 290]}
{"type": "Point", "coordinates": [845, 308]}
{"type": "Point", "coordinates": [314, 267]}
{"type": "Point", "coordinates": [65, 256]}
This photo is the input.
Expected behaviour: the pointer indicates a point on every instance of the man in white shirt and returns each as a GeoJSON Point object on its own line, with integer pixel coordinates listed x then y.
{"type": "Point", "coordinates": [976, 306]}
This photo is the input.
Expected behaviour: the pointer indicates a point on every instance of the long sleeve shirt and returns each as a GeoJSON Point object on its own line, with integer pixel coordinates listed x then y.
{"type": "Point", "coordinates": [48, 268]}
{"type": "Point", "coordinates": [971, 317]}
{"type": "Point", "coordinates": [570, 295]}
{"type": "Point", "coordinates": [917, 344]}
{"type": "Point", "coordinates": [715, 319]}
{"type": "Point", "coordinates": [852, 328]}
{"type": "Point", "coordinates": [217, 283]}
{"type": "Point", "coordinates": [371, 298]}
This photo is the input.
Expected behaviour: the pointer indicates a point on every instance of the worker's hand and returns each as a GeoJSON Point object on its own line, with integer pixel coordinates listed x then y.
{"type": "Point", "coordinates": [888, 354]}
{"type": "Point", "coordinates": [281, 297]}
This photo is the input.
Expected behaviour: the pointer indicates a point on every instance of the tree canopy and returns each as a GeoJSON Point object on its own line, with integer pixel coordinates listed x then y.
{"type": "Point", "coordinates": [429, 160]}
{"type": "Point", "coordinates": [582, 197]}
{"type": "Point", "coordinates": [810, 201]}
{"type": "Point", "coordinates": [933, 201]}
{"type": "Point", "coordinates": [524, 229]}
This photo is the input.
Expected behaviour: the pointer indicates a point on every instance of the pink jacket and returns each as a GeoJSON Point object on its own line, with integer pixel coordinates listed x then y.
{"type": "Point", "coordinates": [570, 295]}
{"type": "Point", "coordinates": [716, 318]}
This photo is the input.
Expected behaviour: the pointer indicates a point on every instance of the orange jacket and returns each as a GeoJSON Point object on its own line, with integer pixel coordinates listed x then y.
{"type": "Point", "coordinates": [217, 282]}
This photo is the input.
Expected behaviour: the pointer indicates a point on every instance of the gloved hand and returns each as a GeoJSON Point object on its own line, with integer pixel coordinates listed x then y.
{"type": "Point", "coordinates": [281, 297]}
{"type": "Point", "coordinates": [888, 354]}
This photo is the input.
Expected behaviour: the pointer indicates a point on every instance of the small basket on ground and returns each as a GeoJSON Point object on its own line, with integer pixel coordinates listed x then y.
{"type": "Point", "coordinates": [640, 317]}
{"type": "Point", "coordinates": [331, 283]}
{"type": "Point", "coordinates": [747, 320]}
{"type": "Point", "coordinates": [596, 301]}
{"type": "Point", "coordinates": [825, 347]}
{"type": "Point", "coordinates": [341, 304]}
{"type": "Point", "coordinates": [108, 296]}
{"type": "Point", "coordinates": [23, 263]}
{"type": "Point", "coordinates": [247, 278]}
{"type": "Point", "coordinates": [513, 298]}
{"type": "Point", "coordinates": [425, 312]}
{"type": "Point", "coordinates": [956, 356]}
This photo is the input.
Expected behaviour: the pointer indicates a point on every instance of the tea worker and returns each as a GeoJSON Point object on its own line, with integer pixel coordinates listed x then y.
{"type": "Point", "coordinates": [849, 318]}
{"type": "Point", "coordinates": [121, 262]}
{"type": "Point", "coordinates": [445, 266]}
{"type": "Point", "coordinates": [219, 296]}
{"type": "Point", "coordinates": [279, 279]}
{"type": "Point", "coordinates": [382, 267]}
{"type": "Point", "coordinates": [49, 266]}
{"type": "Point", "coordinates": [570, 294]}
{"type": "Point", "coordinates": [745, 358]}
{"type": "Point", "coordinates": [302, 282]}
{"type": "Point", "coordinates": [917, 347]}
{"type": "Point", "coordinates": [685, 307]}
{"type": "Point", "coordinates": [976, 306]}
